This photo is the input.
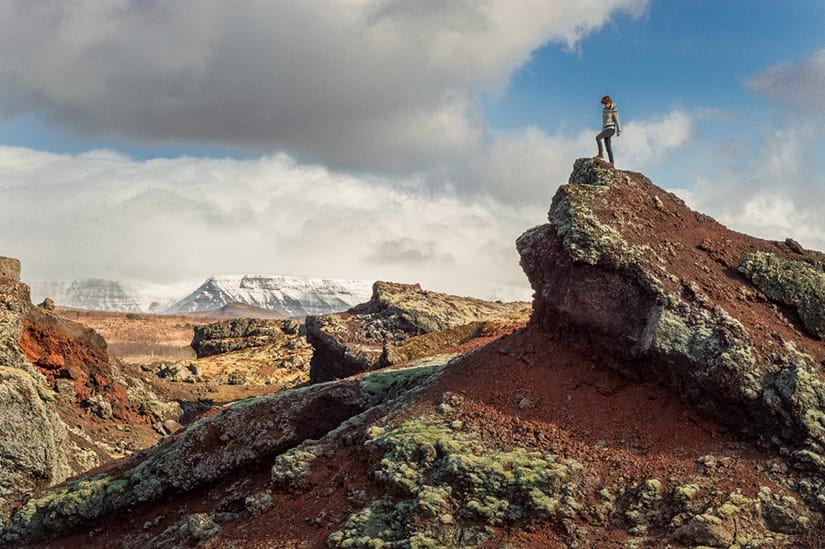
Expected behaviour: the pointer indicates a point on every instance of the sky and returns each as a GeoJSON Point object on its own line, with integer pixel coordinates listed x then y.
{"type": "Point", "coordinates": [162, 142]}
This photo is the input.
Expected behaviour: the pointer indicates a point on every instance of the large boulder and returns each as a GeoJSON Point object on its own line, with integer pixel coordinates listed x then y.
{"type": "Point", "coordinates": [656, 283]}
{"type": "Point", "coordinates": [366, 337]}
{"type": "Point", "coordinates": [33, 439]}
{"type": "Point", "coordinates": [236, 334]}
{"type": "Point", "coordinates": [65, 350]}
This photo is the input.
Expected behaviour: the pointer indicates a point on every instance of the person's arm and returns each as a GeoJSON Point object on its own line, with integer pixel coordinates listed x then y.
{"type": "Point", "coordinates": [618, 126]}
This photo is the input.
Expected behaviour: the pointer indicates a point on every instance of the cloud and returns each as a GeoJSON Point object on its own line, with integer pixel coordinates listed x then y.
{"type": "Point", "coordinates": [162, 221]}
{"type": "Point", "coordinates": [409, 251]}
{"type": "Point", "coordinates": [358, 84]}
{"type": "Point", "coordinates": [800, 83]}
{"type": "Point", "coordinates": [772, 188]}
{"type": "Point", "coordinates": [102, 214]}
{"type": "Point", "coordinates": [526, 166]}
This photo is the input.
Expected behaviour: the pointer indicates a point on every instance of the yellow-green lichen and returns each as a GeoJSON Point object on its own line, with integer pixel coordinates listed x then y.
{"type": "Point", "coordinates": [793, 283]}
{"type": "Point", "coordinates": [448, 473]}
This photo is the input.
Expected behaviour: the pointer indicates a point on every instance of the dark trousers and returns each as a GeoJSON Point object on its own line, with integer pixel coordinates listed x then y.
{"type": "Point", "coordinates": [606, 135]}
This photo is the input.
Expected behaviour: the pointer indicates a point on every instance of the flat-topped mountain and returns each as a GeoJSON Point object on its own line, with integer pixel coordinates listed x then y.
{"type": "Point", "coordinates": [289, 296]}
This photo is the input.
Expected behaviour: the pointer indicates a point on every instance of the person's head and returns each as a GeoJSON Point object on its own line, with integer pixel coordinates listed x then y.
{"type": "Point", "coordinates": [607, 101]}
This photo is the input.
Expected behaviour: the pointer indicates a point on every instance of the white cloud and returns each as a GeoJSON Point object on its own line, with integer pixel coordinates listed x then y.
{"type": "Point", "coordinates": [162, 221]}
{"type": "Point", "coordinates": [102, 214]}
{"type": "Point", "coordinates": [800, 83]}
{"type": "Point", "coordinates": [773, 189]}
{"type": "Point", "coordinates": [360, 84]}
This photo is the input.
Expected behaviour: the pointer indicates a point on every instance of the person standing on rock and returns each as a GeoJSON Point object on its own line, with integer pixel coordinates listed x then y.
{"type": "Point", "coordinates": [610, 126]}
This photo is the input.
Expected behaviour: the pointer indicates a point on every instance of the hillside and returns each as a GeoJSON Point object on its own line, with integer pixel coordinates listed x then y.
{"type": "Point", "coordinates": [667, 391]}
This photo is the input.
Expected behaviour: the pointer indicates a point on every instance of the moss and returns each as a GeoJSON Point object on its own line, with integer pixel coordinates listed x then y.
{"type": "Point", "coordinates": [444, 472]}
{"type": "Point", "coordinates": [793, 283]}
{"type": "Point", "coordinates": [377, 385]}
{"type": "Point", "coordinates": [293, 468]}
{"type": "Point", "coordinates": [585, 237]}
{"type": "Point", "coordinates": [685, 492]}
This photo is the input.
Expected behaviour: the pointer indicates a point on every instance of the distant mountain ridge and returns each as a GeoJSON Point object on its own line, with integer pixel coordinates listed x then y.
{"type": "Point", "coordinates": [289, 296]}
{"type": "Point", "coordinates": [91, 293]}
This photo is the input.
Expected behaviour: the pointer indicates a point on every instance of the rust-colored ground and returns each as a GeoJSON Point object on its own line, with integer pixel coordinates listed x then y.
{"type": "Point", "coordinates": [702, 250]}
{"type": "Point", "coordinates": [548, 391]}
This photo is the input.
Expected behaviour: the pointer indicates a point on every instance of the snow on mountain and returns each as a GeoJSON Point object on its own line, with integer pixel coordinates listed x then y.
{"type": "Point", "coordinates": [287, 295]}
{"type": "Point", "coordinates": [92, 293]}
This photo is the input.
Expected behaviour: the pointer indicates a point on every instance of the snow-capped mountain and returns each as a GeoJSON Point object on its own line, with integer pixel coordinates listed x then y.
{"type": "Point", "coordinates": [90, 293]}
{"type": "Point", "coordinates": [287, 295]}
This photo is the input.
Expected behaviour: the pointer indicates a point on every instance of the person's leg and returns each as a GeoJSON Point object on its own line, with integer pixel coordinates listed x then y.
{"type": "Point", "coordinates": [609, 148]}
{"type": "Point", "coordinates": [599, 143]}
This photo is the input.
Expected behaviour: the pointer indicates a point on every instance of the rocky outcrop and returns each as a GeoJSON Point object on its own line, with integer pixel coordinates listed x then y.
{"type": "Point", "coordinates": [794, 283]}
{"type": "Point", "coordinates": [651, 280]}
{"type": "Point", "coordinates": [237, 334]}
{"type": "Point", "coordinates": [65, 350]}
{"type": "Point", "coordinates": [33, 439]}
{"type": "Point", "coordinates": [240, 435]}
{"type": "Point", "coordinates": [369, 335]}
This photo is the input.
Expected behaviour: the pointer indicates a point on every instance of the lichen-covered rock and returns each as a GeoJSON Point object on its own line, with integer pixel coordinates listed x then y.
{"type": "Point", "coordinates": [367, 336]}
{"type": "Point", "coordinates": [789, 282]}
{"type": "Point", "coordinates": [9, 269]}
{"type": "Point", "coordinates": [452, 480]}
{"type": "Point", "coordinates": [243, 433]}
{"type": "Point", "coordinates": [591, 171]}
{"type": "Point", "coordinates": [600, 267]}
{"type": "Point", "coordinates": [236, 334]}
{"type": "Point", "coordinates": [33, 439]}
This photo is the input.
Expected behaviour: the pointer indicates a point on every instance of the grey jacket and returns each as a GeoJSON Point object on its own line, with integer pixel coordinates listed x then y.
{"type": "Point", "coordinates": [610, 119]}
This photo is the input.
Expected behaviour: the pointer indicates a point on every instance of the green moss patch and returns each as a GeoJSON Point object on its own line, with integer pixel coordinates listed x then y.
{"type": "Point", "coordinates": [450, 483]}
{"type": "Point", "coordinates": [793, 283]}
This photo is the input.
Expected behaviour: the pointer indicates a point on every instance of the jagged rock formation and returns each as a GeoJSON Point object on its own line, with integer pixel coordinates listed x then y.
{"type": "Point", "coordinates": [252, 351]}
{"type": "Point", "coordinates": [33, 439]}
{"type": "Point", "coordinates": [289, 296]}
{"type": "Point", "coordinates": [383, 330]}
{"type": "Point", "coordinates": [655, 399]}
{"type": "Point", "coordinates": [234, 335]}
{"type": "Point", "coordinates": [657, 282]}
{"type": "Point", "coordinates": [65, 350]}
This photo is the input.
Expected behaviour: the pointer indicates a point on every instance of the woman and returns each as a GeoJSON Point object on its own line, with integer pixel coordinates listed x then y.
{"type": "Point", "coordinates": [610, 125]}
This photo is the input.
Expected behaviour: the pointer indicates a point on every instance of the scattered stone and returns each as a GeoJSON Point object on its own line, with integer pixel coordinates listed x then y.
{"type": "Point", "coordinates": [47, 304]}
{"type": "Point", "coordinates": [258, 503]}
{"type": "Point", "coordinates": [100, 406]}
{"type": "Point", "coordinates": [795, 246]}
{"type": "Point", "coordinates": [525, 404]}
{"type": "Point", "coordinates": [201, 526]}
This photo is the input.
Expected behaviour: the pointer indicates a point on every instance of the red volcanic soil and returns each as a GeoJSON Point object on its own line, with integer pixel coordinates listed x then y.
{"type": "Point", "coordinates": [531, 389]}
{"type": "Point", "coordinates": [62, 349]}
{"type": "Point", "coordinates": [700, 249]}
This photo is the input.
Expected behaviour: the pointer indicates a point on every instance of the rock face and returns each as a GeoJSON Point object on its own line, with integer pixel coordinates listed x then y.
{"type": "Point", "coordinates": [795, 283]}
{"type": "Point", "coordinates": [373, 335]}
{"type": "Point", "coordinates": [288, 296]}
{"type": "Point", "coordinates": [65, 350]}
{"type": "Point", "coordinates": [237, 334]}
{"type": "Point", "coordinates": [652, 280]}
{"type": "Point", "coordinates": [9, 269]}
{"type": "Point", "coordinates": [33, 439]}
